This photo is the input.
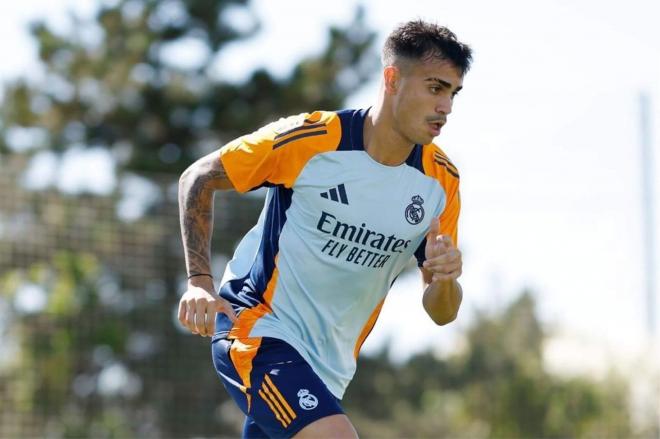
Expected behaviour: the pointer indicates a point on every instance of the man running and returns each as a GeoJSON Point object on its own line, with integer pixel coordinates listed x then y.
{"type": "Point", "coordinates": [352, 196]}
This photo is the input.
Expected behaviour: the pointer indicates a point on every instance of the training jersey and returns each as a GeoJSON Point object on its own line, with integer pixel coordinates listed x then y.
{"type": "Point", "coordinates": [336, 230]}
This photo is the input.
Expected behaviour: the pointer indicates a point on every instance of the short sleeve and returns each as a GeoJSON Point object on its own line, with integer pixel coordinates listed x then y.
{"type": "Point", "coordinates": [449, 217]}
{"type": "Point", "coordinates": [276, 153]}
{"type": "Point", "coordinates": [437, 165]}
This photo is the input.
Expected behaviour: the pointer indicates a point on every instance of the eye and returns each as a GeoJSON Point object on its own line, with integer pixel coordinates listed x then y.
{"type": "Point", "coordinates": [434, 89]}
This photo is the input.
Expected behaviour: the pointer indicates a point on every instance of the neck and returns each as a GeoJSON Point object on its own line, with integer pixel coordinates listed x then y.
{"type": "Point", "coordinates": [381, 140]}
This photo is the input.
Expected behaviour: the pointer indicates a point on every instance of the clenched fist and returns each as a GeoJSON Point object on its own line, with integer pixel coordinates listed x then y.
{"type": "Point", "coordinates": [199, 305]}
{"type": "Point", "coordinates": [443, 260]}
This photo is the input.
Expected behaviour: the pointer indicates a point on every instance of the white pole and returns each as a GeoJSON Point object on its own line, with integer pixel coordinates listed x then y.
{"type": "Point", "coordinates": [648, 213]}
{"type": "Point", "coordinates": [648, 239]}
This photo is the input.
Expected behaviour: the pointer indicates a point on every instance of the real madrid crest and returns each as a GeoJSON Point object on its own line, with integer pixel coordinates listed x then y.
{"type": "Point", "coordinates": [415, 211]}
{"type": "Point", "coordinates": [307, 401]}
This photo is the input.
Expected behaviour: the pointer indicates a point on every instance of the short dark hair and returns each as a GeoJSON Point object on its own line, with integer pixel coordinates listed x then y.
{"type": "Point", "coordinates": [420, 40]}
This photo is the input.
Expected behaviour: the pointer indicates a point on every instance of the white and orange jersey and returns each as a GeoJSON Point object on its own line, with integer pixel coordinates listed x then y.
{"type": "Point", "coordinates": [336, 230]}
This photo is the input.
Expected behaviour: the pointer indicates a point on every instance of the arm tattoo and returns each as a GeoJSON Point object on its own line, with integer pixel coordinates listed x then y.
{"type": "Point", "coordinates": [196, 189]}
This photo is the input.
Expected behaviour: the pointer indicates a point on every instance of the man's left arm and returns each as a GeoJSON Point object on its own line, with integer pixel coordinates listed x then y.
{"type": "Point", "coordinates": [440, 271]}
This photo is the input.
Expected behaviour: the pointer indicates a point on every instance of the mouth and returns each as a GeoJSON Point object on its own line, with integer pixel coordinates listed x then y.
{"type": "Point", "coordinates": [436, 127]}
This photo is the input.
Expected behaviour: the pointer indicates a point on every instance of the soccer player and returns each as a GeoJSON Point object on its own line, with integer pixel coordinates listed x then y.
{"type": "Point", "coordinates": [352, 196]}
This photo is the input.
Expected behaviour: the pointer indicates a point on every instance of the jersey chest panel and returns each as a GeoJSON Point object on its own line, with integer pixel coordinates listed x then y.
{"type": "Point", "coordinates": [358, 215]}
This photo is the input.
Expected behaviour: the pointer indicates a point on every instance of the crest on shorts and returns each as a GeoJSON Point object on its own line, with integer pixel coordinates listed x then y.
{"type": "Point", "coordinates": [415, 211]}
{"type": "Point", "coordinates": [307, 401]}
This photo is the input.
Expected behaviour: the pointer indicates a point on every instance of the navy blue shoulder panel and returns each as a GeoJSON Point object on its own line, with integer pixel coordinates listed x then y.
{"type": "Point", "coordinates": [352, 136]}
{"type": "Point", "coordinates": [414, 160]}
{"type": "Point", "coordinates": [352, 129]}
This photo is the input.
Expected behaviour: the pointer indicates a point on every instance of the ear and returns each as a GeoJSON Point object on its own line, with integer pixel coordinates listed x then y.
{"type": "Point", "coordinates": [391, 78]}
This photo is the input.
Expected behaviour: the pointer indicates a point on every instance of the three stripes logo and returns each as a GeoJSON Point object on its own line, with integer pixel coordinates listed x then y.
{"type": "Point", "coordinates": [276, 402]}
{"type": "Point", "coordinates": [336, 194]}
{"type": "Point", "coordinates": [444, 162]}
{"type": "Point", "coordinates": [298, 130]}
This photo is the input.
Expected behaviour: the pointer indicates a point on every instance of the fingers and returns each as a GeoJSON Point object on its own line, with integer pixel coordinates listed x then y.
{"type": "Point", "coordinates": [447, 268]}
{"type": "Point", "coordinates": [434, 229]}
{"type": "Point", "coordinates": [448, 265]}
{"type": "Point", "coordinates": [447, 257]}
{"type": "Point", "coordinates": [190, 317]}
{"type": "Point", "coordinates": [209, 322]}
{"type": "Point", "coordinates": [225, 307]}
{"type": "Point", "coordinates": [432, 238]}
{"type": "Point", "coordinates": [446, 240]}
{"type": "Point", "coordinates": [438, 246]}
{"type": "Point", "coordinates": [448, 276]}
{"type": "Point", "coordinates": [197, 313]}
{"type": "Point", "coordinates": [200, 317]}
{"type": "Point", "coordinates": [442, 243]}
{"type": "Point", "coordinates": [182, 312]}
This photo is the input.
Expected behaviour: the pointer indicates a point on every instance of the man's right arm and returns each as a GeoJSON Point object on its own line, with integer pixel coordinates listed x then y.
{"type": "Point", "coordinates": [197, 186]}
{"type": "Point", "coordinates": [252, 161]}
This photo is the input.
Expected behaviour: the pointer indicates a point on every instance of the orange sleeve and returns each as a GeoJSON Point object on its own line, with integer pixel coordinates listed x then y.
{"type": "Point", "coordinates": [276, 153]}
{"type": "Point", "coordinates": [449, 217]}
{"type": "Point", "coordinates": [437, 164]}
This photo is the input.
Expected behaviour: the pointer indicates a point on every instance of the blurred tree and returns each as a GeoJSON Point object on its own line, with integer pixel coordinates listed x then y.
{"type": "Point", "coordinates": [111, 83]}
{"type": "Point", "coordinates": [497, 387]}
{"type": "Point", "coordinates": [87, 301]}
{"type": "Point", "coordinates": [88, 294]}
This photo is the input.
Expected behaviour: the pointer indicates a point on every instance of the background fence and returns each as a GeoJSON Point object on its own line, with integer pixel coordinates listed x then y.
{"type": "Point", "coordinates": [91, 346]}
{"type": "Point", "coordinates": [90, 281]}
{"type": "Point", "coordinates": [90, 342]}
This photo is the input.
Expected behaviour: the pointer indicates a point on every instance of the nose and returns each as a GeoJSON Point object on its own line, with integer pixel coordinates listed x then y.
{"type": "Point", "coordinates": [444, 104]}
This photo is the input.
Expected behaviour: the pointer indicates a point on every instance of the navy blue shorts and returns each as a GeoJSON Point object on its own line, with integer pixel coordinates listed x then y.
{"type": "Point", "coordinates": [273, 385]}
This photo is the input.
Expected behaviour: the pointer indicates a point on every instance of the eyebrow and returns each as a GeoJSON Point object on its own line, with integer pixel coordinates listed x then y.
{"type": "Point", "coordinates": [444, 83]}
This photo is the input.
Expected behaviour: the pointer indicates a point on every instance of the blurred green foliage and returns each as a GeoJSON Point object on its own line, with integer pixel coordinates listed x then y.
{"type": "Point", "coordinates": [496, 387]}
{"type": "Point", "coordinates": [97, 352]}
{"type": "Point", "coordinates": [108, 84]}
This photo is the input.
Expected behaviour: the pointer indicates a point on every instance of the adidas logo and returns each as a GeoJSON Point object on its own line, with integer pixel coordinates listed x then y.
{"type": "Point", "coordinates": [336, 194]}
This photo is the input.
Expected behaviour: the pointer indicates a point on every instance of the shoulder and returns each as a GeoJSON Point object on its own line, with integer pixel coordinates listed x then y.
{"type": "Point", "coordinates": [437, 163]}
{"type": "Point", "coordinates": [318, 130]}
{"type": "Point", "coordinates": [276, 153]}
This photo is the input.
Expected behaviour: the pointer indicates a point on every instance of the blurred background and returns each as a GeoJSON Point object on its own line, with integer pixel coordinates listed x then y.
{"type": "Point", "coordinates": [105, 103]}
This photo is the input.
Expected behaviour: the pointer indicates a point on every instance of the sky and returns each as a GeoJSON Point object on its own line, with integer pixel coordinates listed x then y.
{"type": "Point", "coordinates": [546, 135]}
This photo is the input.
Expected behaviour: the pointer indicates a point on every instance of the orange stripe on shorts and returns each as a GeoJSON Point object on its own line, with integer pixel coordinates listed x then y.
{"type": "Point", "coordinates": [275, 402]}
{"type": "Point", "coordinates": [272, 408]}
{"type": "Point", "coordinates": [271, 385]}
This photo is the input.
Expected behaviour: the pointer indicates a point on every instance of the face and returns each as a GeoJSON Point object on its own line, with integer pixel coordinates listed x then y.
{"type": "Point", "coordinates": [421, 95]}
